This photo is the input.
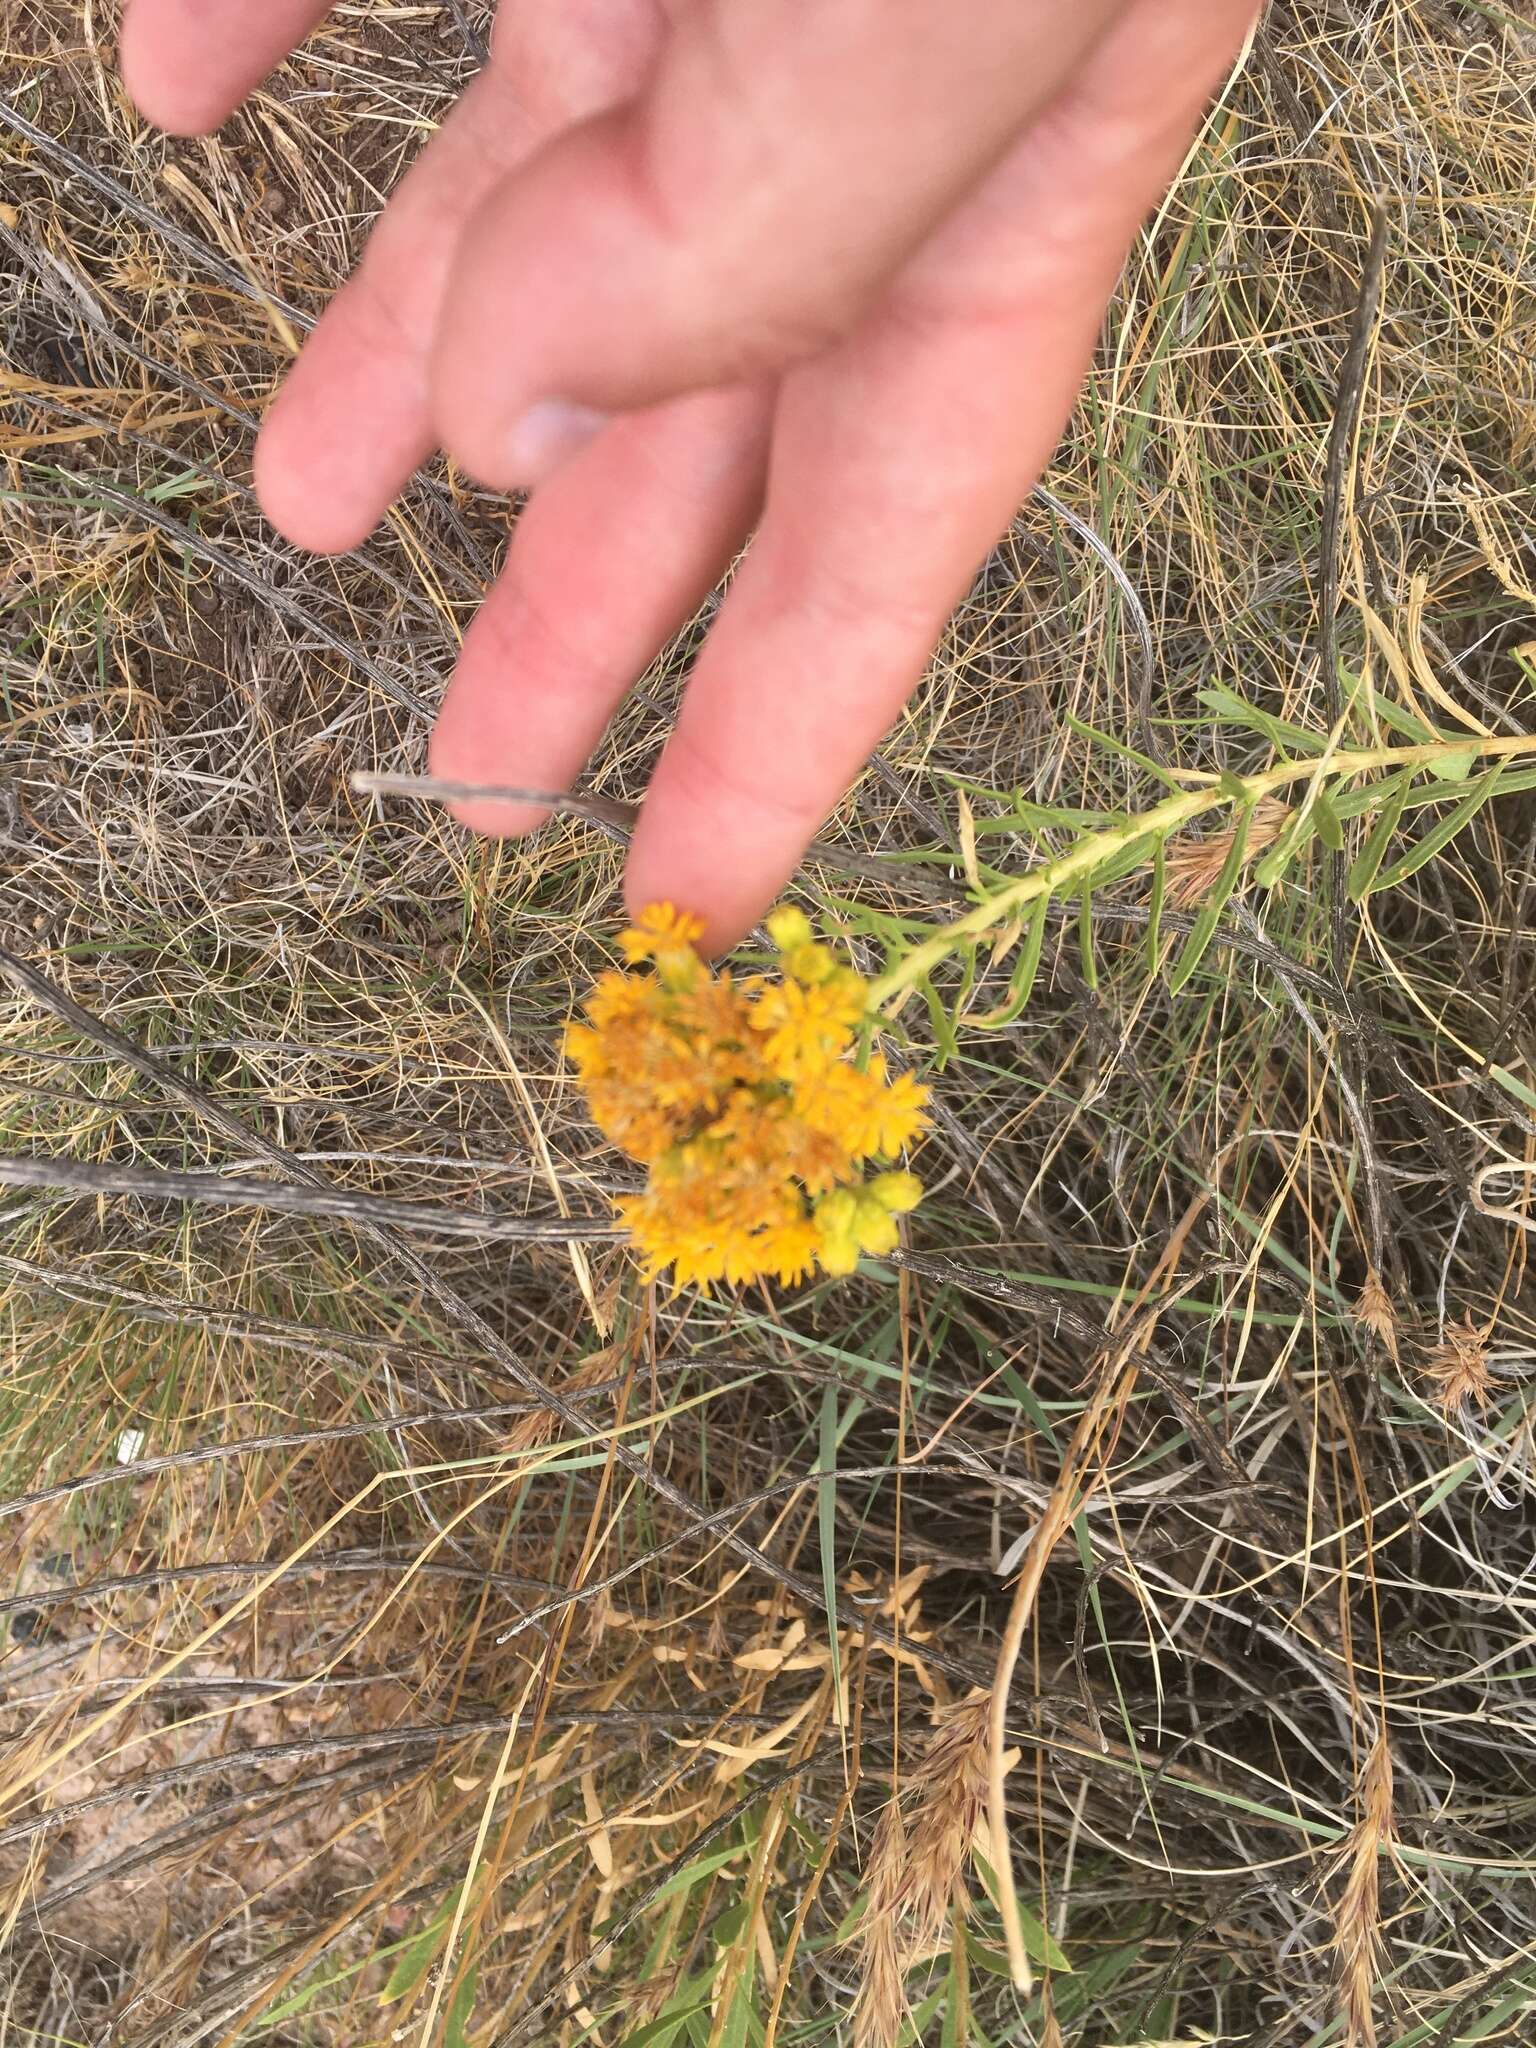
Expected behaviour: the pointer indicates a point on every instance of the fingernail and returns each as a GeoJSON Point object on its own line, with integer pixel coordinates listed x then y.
{"type": "Point", "coordinates": [548, 434]}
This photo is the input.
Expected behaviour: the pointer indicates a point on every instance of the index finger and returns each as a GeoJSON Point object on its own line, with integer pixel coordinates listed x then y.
{"type": "Point", "coordinates": [187, 64]}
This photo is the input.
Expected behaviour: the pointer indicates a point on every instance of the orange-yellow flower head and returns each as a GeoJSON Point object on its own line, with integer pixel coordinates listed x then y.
{"type": "Point", "coordinates": [747, 1105]}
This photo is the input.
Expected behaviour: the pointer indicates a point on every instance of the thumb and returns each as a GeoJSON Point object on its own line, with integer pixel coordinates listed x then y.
{"type": "Point", "coordinates": [740, 213]}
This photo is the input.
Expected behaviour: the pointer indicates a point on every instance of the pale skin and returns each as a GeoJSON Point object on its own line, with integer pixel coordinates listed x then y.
{"type": "Point", "coordinates": [827, 273]}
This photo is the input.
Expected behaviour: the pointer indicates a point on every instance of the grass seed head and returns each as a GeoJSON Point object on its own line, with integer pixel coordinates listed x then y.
{"type": "Point", "coordinates": [1194, 864]}
{"type": "Point", "coordinates": [1457, 1369]}
{"type": "Point", "coordinates": [916, 1863]}
{"type": "Point", "coordinates": [1374, 1312]}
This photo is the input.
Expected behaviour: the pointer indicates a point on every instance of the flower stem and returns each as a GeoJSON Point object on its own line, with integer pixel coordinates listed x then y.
{"type": "Point", "coordinates": [1158, 823]}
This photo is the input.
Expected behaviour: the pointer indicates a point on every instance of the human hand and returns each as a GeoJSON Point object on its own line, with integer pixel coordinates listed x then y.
{"type": "Point", "coordinates": [833, 270]}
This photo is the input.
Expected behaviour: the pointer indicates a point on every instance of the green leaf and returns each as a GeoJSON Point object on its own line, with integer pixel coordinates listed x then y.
{"type": "Point", "coordinates": [460, 2008]}
{"type": "Point", "coordinates": [1112, 745]}
{"type": "Point", "coordinates": [1047, 817]}
{"type": "Point", "coordinates": [1233, 786]}
{"type": "Point", "coordinates": [1285, 738]}
{"type": "Point", "coordinates": [738, 2026]}
{"type": "Point", "coordinates": [688, 2002]}
{"type": "Point", "coordinates": [1194, 947]}
{"type": "Point", "coordinates": [1032, 1405]}
{"type": "Point", "coordinates": [848, 1926]}
{"type": "Point", "coordinates": [942, 1022]}
{"type": "Point", "coordinates": [1516, 1087]}
{"type": "Point", "coordinates": [730, 1925]}
{"type": "Point", "coordinates": [1155, 903]}
{"type": "Point", "coordinates": [1085, 940]}
{"type": "Point", "coordinates": [914, 2029]}
{"type": "Point", "coordinates": [1330, 827]}
{"type": "Point", "coordinates": [1039, 1945]}
{"type": "Point", "coordinates": [1293, 841]}
{"type": "Point", "coordinates": [1355, 803]}
{"type": "Point", "coordinates": [1124, 860]}
{"type": "Point", "coordinates": [694, 1873]}
{"type": "Point", "coordinates": [419, 1953]}
{"type": "Point", "coordinates": [664, 2030]}
{"type": "Point", "coordinates": [1022, 981]}
{"type": "Point", "coordinates": [182, 486]}
{"type": "Point", "coordinates": [1440, 835]}
{"type": "Point", "coordinates": [1454, 767]}
{"type": "Point", "coordinates": [1368, 860]}
{"type": "Point", "coordinates": [812, 1843]}
{"type": "Point", "coordinates": [1402, 721]}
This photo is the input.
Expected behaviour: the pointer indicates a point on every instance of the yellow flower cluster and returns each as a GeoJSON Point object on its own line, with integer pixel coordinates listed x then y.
{"type": "Point", "coordinates": [743, 1100]}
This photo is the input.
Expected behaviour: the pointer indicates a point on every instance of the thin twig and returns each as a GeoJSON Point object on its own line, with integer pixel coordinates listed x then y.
{"type": "Point", "coordinates": [234, 1191]}
{"type": "Point", "coordinates": [619, 819]}
{"type": "Point", "coordinates": [1342, 447]}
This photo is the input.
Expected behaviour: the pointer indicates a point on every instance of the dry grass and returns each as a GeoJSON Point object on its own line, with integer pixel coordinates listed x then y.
{"type": "Point", "coordinates": [441, 1628]}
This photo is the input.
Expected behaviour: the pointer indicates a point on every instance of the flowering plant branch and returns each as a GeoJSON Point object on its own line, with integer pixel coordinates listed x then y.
{"type": "Point", "coordinates": [745, 1101]}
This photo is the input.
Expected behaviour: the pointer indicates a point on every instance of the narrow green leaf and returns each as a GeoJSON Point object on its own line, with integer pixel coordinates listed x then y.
{"type": "Point", "coordinates": [1041, 1946]}
{"type": "Point", "coordinates": [1233, 786]}
{"type": "Point", "coordinates": [419, 1953]}
{"type": "Point", "coordinates": [1194, 947]}
{"type": "Point", "coordinates": [848, 1925]}
{"type": "Point", "coordinates": [1519, 1089]}
{"type": "Point", "coordinates": [916, 2027]}
{"type": "Point", "coordinates": [1155, 904]}
{"type": "Point", "coordinates": [1036, 818]}
{"type": "Point", "coordinates": [756, 2034]}
{"type": "Point", "coordinates": [1440, 836]}
{"type": "Point", "coordinates": [460, 2008]}
{"type": "Point", "coordinates": [1354, 803]}
{"type": "Point", "coordinates": [1124, 860]}
{"type": "Point", "coordinates": [1085, 939]}
{"type": "Point", "coordinates": [1291, 844]}
{"type": "Point", "coordinates": [967, 982]}
{"type": "Point", "coordinates": [1330, 827]}
{"type": "Point", "coordinates": [735, 2031]}
{"type": "Point", "coordinates": [1022, 981]}
{"type": "Point", "coordinates": [813, 1844]}
{"type": "Point", "coordinates": [1402, 721]}
{"type": "Point", "coordinates": [664, 2030]}
{"type": "Point", "coordinates": [1112, 745]}
{"type": "Point", "coordinates": [1284, 737]}
{"type": "Point", "coordinates": [694, 1873]}
{"type": "Point", "coordinates": [941, 1021]}
{"type": "Point", "coordinates": [1367, 861]}
{"type": "Point", "coordinates": [1032, 1405]}
{"type": "Point", "coordinates": [1048, 817]}
{"type": "Point", "coordinates": [729, 1926]}
{"type": "Point", "coordinates": [412, 1966]}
